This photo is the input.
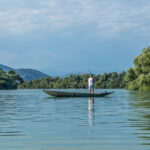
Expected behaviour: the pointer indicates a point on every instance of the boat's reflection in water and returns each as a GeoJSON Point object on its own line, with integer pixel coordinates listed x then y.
{"type": "Point", "coordinates": [91, 111]}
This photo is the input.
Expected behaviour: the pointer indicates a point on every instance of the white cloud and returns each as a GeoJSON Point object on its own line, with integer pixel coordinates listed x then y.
{"type": "Point", "coordinates": [105, 17]}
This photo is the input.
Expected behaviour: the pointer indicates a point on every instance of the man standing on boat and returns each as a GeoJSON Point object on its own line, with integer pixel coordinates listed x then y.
{"type": "Point", "coordinates": [91, 84]}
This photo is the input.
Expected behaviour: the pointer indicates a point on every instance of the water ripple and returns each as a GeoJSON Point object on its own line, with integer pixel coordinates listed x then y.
{"type": "Point", "coordinates": [31, 120]}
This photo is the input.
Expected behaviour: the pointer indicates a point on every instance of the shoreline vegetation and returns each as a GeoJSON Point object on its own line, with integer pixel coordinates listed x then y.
{"type": "Point", "coordinates": [9, 80]}
{"type": "Point", "coordinates": [136, 78]}
{"type": "Point", "coordinates": [107, 80]}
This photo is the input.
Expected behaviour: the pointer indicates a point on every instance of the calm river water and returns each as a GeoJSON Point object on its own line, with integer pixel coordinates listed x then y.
{"type": "Point", "coordinates": [32, 120]}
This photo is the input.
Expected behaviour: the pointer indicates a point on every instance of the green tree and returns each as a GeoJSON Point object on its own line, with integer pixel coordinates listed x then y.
{"type": "Point", "coordinates": [107, 80]}
{"type": "Point", "coordinates": [9, 80]}
{"type": "Point", "coordinates": [138, 78]}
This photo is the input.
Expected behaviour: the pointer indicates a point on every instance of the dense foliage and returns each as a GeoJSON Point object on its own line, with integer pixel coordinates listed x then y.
{"type": "Point", "coordinates": [9, 80]}
{"type": "Point", "coordinates": [107, 80]}
{"type": "Point", "coordinates": [138, 78]}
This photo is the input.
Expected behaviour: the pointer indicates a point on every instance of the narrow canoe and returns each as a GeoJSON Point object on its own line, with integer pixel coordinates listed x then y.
{"type": "Point", "coordinates": [71, 94]}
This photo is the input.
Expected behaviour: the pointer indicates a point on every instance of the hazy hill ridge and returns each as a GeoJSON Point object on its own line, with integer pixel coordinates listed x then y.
{"type": "Point", "coordinates": [26, 74]}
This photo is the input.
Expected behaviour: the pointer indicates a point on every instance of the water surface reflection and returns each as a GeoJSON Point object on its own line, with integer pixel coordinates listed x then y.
{"type": "Point", "coordinates": [139, 104]}
{"type": "Point", "coordinates": [91, 111]}
{"type": "Point", "coordinates": [29, 120]}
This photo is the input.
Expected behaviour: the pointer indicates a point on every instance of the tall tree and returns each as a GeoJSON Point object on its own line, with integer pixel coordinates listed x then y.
{"type": "Point", "coordinates": [138, 78]}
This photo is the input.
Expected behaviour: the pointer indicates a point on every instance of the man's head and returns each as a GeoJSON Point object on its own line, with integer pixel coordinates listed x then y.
{"type": "Point", "coordinates": [91, 76]}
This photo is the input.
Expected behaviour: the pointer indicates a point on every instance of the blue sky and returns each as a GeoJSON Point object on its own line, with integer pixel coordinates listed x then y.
{"type": "Point", "coordinates": [60, 37]}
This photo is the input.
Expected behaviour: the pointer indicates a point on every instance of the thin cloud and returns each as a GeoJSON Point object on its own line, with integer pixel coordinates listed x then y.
{"type": "Point", "coordinates": [106, 17]}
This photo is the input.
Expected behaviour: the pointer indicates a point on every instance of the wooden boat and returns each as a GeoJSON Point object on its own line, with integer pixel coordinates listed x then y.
{"type": "Point", "coordinates": [72, 94]}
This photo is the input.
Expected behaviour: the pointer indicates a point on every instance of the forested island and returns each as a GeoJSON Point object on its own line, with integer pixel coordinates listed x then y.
{"type": "Point", "coordinates": [136, 78]}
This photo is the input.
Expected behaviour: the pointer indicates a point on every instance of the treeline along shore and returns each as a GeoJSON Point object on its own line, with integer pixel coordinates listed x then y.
{"type": "Point", "coordinates": [136, 78]}
{"type": "Point", "coordinates": [107, 80]}
{"type": "Point", "coordinates": [11, 80]}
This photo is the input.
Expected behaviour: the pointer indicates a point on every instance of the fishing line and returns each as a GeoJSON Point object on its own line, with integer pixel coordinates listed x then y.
{"type": "Point", "coordinates": [89, 68]}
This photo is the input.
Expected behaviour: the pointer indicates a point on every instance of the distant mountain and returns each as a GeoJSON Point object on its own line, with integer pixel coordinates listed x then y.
{"type": "Point", "coordinates": [30, 74]}
{"type": "Point", "coordinates": [6, 68]}
{"type": "Point", "coordinates": [26, 74]}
